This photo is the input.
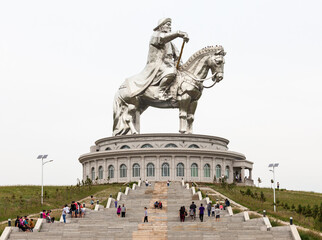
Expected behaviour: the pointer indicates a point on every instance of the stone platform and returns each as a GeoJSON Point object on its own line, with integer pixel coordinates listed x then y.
{"type": "Point", "coordinates": [162, 157]}
{"type": "Point", "coordinates": [163, 224]}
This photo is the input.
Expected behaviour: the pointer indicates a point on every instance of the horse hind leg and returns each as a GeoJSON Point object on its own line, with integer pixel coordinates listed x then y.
{"type": "Point", "coordinates": [130, 118]}
{"type": "Point", "coordinates": [191, 115]}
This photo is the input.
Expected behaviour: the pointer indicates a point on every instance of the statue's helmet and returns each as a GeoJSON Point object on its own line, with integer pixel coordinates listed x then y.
{"type": "Point", "coordinates": [161, 22]}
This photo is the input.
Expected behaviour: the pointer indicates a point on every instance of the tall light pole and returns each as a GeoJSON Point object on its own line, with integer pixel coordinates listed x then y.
{"type": "Point", "coordinates": [42, 157]}
{"type": "Point", "coordinates": [273, 165]}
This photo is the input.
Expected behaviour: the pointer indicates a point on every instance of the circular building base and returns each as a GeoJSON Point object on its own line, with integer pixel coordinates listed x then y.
{"type": "Point", "coordinates": [162, 157]}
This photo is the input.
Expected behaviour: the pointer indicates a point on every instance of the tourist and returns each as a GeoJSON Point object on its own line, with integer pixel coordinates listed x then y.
{"type": "Point", "coordinates": [77, 209]}
{"type": "Point", "coordinates": [17, 222]}
{"type": "Point", "coordinates": [209, 208]}
{"type": "Point", "coordinates": [43, 214]}
{"type": "Point", "coordinates": [227, 203]}
{"type": "Point", "coordinates": [83, 210]}
{"type": "Point", "coordinates": [156, 204]}
{"type": "Point", "coordinates": [160, 204]}
{"type": "Point", "coordinates": [221, 207]}
{"type": "Point", "coordinates": [192, 215]}
{"type": "Point", "coordinates": [217, 213]}
{"type": "Point", "coordinates": [201, 212]}
{"type": "Point", "coordinates": [146, 183]}
{"type": "Point", "coordinates": [278, 185]}
{"type": "Point", "coordinates": [31, 224]}
{"type": "Point", "coordinates": [118, 211]}
{"type": "Point", "coordinates": [213, 210]}
{"type": "Point", "coordinates": [115, 203]}
{"type": "Point", "coordinates": [123, 211]}
{"type": "Point", "coordinates": [92, 202]}
{"type": "Point", "coordinates": [64, 213]}
{"type": "Point", "coordinates": [182, 213]}
{"type": "Point", "coordinates": [145, 215]}
{"type": "Point", "coordinates": [26, 223]}
{"type": "Point", "coordinates": [193, 207]}
{"type": "Point", "coordinates": [168, 183]}
{"type": "Point", "coordinates": [73, 208]}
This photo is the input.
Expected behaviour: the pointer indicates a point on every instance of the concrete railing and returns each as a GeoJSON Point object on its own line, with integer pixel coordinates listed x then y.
{"type": "Point", "coordinates": [230, 211]}
{"type": "Point", "coordinates": [127, 190]}
{"type": "Point", "coordinates": [97, 207]}
{"type": "Point", "coordinates": [109, 202]}
{"type": "Point", "coordinates": [187, 185]}
{"type": "Point", "coordinates": [267, 223]}
{"type": "Point", "coordinates": [38, 225]}
{"type": "Point", "coordinates": [246, 216]}
{"type": "Point", "coordinates": [295, 233]}
{"type": "Point", "coordinates": [6, 233]}
{"type": "Point", "coordinates": [139, 183]}
{"type": "Point", "coordinates": [193, 190]}
{"type": "Point", "coordinates": [200, 196]}
{"type": "Point", "coordinates": [119, 196]}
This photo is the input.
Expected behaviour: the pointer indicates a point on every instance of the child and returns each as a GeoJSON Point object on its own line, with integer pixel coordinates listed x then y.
{"type": "Point", "coordinates": [213, 210]}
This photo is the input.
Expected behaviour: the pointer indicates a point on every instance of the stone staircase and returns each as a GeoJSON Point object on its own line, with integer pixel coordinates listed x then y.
{"type": "Point", "coordinates": [163, 224]}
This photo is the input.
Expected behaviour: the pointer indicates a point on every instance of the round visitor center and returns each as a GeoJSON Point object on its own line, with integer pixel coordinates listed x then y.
{"type": "Point", "coordinates": [162, 157]}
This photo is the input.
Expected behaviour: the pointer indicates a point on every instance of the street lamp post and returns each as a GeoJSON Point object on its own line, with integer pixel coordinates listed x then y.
{"type": "Point", "coordinates": [273, 165]}
{"type": "Point", "coordinates": [42, 157]}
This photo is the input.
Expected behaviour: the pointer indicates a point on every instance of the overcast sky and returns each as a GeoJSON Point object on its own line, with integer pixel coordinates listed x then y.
{"type": "Point", "coordinates": [61, 63]}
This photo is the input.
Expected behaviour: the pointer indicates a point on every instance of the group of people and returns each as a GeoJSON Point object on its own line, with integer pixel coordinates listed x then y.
{"type": "Point", "coordinates": [25, 224]}
{"type": "Point", "coordinates": [75, 210]}
{"type": "Point", "coordinates": [121, 211]}
{"type": "Point", "coordinates": [158, 204]}
{"type": "Point", "coordinates": [46, 215]}
{"type": "Point", "coordinates": [213, 210]}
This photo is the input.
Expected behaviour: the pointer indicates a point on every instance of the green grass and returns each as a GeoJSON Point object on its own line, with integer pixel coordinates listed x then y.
{"type": "Point", "coordinates": [309, 235]}
{"type": "Point", "coordinates": [283, 197]}
{"type": "Point", "coordinates": [25, 200]}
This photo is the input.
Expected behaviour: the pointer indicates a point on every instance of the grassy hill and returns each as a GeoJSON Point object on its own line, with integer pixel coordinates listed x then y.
{"type": "Point", "coordinates": [304, 207]}
{"type": "Point", "coordinates": [25, 200]}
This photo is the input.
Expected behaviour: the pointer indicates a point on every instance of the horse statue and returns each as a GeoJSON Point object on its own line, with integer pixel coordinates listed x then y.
{"type": "Point", "coordinates": [185, 92]}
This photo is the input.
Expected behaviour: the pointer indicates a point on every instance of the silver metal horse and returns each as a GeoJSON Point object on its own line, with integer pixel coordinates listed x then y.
{"type": "Point", "coordinates": [185, 92]}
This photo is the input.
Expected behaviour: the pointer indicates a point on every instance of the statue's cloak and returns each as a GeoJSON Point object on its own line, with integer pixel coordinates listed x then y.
{"type": "Point", "coordinates": [161, 61]}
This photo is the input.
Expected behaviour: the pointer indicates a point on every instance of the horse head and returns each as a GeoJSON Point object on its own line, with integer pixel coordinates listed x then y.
{"type": "Point", "coordinates": [216, 63]}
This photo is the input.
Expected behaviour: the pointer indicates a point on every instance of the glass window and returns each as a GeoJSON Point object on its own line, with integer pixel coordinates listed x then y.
{"type": "Point", "coordinates": [180, 170]}
{"type": "Point", "coordinates": [165, 170]}
{"type": "Point", "coordinates": [107, 149]}
{"type": "Point", "coordinates": [147, 146]}
{"type": "Point", "coordinates": [171, 145]}
{"type": "Point", "coordinates": [93, 174]}
{"type": "Point", "coordinates": [136, 170]}
{"type": "Point", "coordinates": [125, 147]}
{"type": "Point", "coordinates": [206, 170]}
{"type": "Point", "coordinates": [227, 172]}
{"type": "Point", "coordinates": [194, 170]}
{"type": "Point", "coordinates": [150, 170]}
{"type": "Point", "coordinates": [123, 171]}
{"type": "Point", "coordinates": [193, 146]}
{"type": "Point", "coordinates": [100, 172]}
{"type": "Point", "coordinates": [111, 171]}
{"type": "Point", "coordinates": [218, 171]}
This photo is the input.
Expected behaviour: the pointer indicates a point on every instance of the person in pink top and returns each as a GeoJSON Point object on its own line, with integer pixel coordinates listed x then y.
{"type": "Point", "coordinates": [118, 211]}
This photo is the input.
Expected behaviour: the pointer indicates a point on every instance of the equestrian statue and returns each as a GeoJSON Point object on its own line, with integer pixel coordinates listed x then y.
{"type": "Point", "coordinates": [166, 82]}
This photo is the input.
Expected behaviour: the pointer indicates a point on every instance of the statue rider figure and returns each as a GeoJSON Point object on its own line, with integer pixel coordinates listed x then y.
{"type": "Point", "coordinates": [160, 69]}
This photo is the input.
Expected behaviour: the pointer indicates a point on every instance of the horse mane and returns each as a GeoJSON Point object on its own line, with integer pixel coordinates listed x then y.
{"type": "Point", "coordinates": [202, 52]}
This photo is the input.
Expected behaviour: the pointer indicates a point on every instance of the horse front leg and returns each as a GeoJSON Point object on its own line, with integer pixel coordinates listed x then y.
{"type": "Point", "coordinates": [130, 118]}
{"type": "Point", "coordinates": [191, 115]}
{"type": "Point", "coordinates": [183, 110]}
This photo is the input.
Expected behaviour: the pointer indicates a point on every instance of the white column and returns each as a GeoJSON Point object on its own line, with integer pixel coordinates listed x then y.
{"type": "Point", "coordinates": [242, 174]}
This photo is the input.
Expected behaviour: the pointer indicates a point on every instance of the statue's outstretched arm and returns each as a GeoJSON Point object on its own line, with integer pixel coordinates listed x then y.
{"type": "Point", "coordinates": [167, 37]}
